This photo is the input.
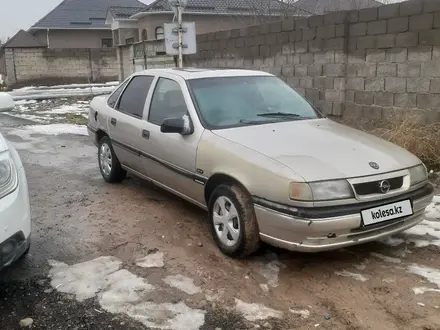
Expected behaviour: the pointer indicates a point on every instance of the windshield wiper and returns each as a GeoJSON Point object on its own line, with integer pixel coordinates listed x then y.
{"type": "Point", "coordinates": [287, 115]}
{"type": "Point", "coordinates": [278, 114]}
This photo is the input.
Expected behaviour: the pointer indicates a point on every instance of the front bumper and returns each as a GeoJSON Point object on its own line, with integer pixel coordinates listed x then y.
{"type": "Point", "coordinates": [15, 222]}
{"type": "Point", "coordinates": [319, 229]}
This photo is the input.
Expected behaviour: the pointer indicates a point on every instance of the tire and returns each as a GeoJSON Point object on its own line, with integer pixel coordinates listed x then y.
{"type": "Point", "coordinates": [242, 237]}
{"type": "Point", "coordinates": [109, 165]}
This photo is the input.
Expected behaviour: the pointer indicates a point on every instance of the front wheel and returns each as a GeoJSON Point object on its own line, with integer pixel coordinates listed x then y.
{"type": "Point", "coordinates": [109, 164]}
{"type": "Point", "coordinates": [233, 221]}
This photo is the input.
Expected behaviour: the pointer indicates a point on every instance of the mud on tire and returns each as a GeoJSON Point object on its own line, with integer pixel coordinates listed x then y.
{"type": "Point", "coordinates": [248, 240]}
{"type": "Point", "coordinates": [116, 173]}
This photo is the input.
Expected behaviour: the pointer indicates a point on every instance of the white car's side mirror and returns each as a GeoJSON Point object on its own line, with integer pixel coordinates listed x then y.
{"type": "Point", "coordinates": [6, 102]}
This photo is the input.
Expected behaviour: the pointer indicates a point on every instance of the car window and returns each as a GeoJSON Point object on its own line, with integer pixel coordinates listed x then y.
{"type": "Point", "coordinates": [114, 97]}
{"type": "Point", "coordinates": [133, 99]}
{"type": "Point", "coordinates": [167, 102]}
{"type": "Point", "coordinates": [236, 101]}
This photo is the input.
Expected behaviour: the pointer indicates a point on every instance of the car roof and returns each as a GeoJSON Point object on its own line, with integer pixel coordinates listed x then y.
{"type": "Point", "coordinates": [197, 73]}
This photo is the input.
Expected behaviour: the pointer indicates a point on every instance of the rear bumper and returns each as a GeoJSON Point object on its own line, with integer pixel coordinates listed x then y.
{"type": "Point", "coordinates": [295, 232]}
{"type": "Point", "coordinates": [92, 134]}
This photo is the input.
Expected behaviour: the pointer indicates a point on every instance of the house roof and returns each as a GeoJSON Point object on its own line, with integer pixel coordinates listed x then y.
{"type": "Point", "coordinates": [82, 14]}
{"type": "Point", "coordinates": [124, 12]}
{"type": "Point", "coordinates": [319, 7]}
{"type": "Point", "coordinates": [265, 7]}
{"type": "Point", "coordinates": [23, 39]}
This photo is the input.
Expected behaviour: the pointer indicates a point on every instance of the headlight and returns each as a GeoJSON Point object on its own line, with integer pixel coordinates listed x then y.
{"type": "Point", "coordinates": [8, 175]}
{"type": "Point", "coordinates": [418, 174]}
{"type": "Point", "coordinates": [321, 191]}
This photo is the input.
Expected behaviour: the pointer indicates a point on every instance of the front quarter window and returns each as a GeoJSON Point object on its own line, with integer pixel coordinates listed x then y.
{"type": "Point", "coordinates": [249, 100]}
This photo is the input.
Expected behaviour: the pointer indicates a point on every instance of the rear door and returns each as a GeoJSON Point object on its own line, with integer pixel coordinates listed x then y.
{"type": "Point", "coordinates": [125, 124]}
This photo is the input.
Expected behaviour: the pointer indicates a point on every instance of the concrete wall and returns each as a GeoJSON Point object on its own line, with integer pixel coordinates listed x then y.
{"type": "Point", "coordinates": [41, 66]}
{"type": "Point", "coordinates": [372, 63]}
{"type": "Point", "coordinates": [2, 61]}
{"type": "Point", "coordinates": [141, 56]}
{"type": "Point", "coordinates": [74, 38]}
{"type": "Point", "coordinates": [204, 23]}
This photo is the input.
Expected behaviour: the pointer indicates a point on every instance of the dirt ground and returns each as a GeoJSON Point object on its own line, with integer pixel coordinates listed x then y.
{"type": "Point", "coordinates": [77, 217]}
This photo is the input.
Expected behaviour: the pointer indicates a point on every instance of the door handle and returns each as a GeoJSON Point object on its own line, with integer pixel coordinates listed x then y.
{"type": "Point", "coordinates": [145, 134]}
{"type": "Point", "coordinates": [113, 121]}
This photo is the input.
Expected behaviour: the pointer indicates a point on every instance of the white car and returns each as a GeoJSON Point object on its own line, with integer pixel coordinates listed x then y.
{"type": "Point", "coordinates": [15, 217]}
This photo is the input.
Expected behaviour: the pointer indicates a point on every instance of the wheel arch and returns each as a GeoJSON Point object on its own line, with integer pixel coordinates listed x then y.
{"type": "Point", "coordinates": [99, 135]}
{"type": "Point", "coordinates": [220, 178]}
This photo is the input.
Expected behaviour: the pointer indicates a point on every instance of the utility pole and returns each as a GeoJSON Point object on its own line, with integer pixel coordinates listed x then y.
{"type": "Point", "coordinates": [179, 21]}
{"type": "Point", "coordinates": [180, 37]}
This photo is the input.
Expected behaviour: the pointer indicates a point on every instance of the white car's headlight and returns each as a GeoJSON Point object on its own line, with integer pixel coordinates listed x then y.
{"type": "Point", "coordinates": [418, 174]}
{"type": "Point", "coordinates": [321, 191]}
{"type": "Point", "coordinates": [8, 175]}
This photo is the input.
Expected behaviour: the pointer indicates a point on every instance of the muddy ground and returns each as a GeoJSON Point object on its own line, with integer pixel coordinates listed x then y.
{"type": "Point", "coordinates": [77, 217]}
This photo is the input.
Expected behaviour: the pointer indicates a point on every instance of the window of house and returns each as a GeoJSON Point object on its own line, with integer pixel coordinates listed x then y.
{"type": "Point", "coordinates": [114, 97]}
{"type": "Point", "coordinates": [144, 34]}
{"type": "Point", "coordinates": [159, 33]}
{"type": "Point", "coordinates": [129, 41]}
{"type": "Point", "coordinates": [107, 42]}
{"type": "Point", "coordinates": [133, 99]}
{"type": "Point", "coordinates": [167, 102]}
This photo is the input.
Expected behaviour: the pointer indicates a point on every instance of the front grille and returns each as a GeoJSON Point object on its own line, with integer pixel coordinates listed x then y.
{"type": "Point", "coordinates": [370, 188]}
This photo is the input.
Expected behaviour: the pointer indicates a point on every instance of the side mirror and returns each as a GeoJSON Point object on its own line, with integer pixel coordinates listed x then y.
{"type": "Point", "coordinates": [6, 102]}
{"type": "Point", "coordinates": [181, 125]}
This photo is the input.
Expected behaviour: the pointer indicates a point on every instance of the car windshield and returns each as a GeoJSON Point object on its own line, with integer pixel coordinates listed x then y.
{"type": "Point", "coordinates": [249, 100]}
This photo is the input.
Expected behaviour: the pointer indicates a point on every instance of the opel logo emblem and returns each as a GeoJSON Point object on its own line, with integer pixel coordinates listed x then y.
{"type": "Point", "coordinates": [374, 165]}
{"type": "Point", "coordinates": [384, 186]}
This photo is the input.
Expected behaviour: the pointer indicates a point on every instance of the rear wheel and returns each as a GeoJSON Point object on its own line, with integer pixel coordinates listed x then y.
{"type": "Point", "coordinates": [109, 164]}
{"type": "Point", "coordinates": [233, 221]}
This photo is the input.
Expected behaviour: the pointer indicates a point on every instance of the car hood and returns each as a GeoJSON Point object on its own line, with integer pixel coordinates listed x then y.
{"type": "Point", "coordinates": [321, 149]}
{"type": "Point", "coordinates": [3, 144]}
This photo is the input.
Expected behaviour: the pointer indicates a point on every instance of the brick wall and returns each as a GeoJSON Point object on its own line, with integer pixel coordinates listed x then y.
{"type": "Point", "coordinates": [372, 63]}
{"type": "Point", "coordinates": [39, 66]}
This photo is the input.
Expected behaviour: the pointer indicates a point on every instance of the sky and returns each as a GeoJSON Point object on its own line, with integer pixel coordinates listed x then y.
{"type": "Point", "coordinates": [21, 14]}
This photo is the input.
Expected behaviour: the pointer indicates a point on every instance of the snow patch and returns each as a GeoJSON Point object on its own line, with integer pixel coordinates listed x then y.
{"type": "Point", "coordinates": [386, 258]}
{"type": "Point", "coordinates": [164, 316]}
{"type": "Point", "coordinates": [256, 312]}
{"type": "Point", "coordinates": [423, 289]}
{"type": "Point", "coordinates": [52, 129]}
{"type": "Point", "coordinates": [153, 260]}
{"type": "Point", "coordinates": [84, 280]}
{"type": "Point", "coordinates": [120, 291]}
{"type": "Point", "coordinates": [392, 241]}
{"type": "Point", "coordinates": [182, 283]}
{"type": "Point", "coordinates": [74, 108]}
{"type": "Point", "coordinates": [357, 277]}
{"type": "Point", "coordinates": [427, 233]}
{"type": "Point", "coordinates": [264, 287]}
{"type": "Point", "coordinates": [433, 210]}
{"type": "Point", "coordinates": [270, 269]}
{"type": "Point", "coordinates": [304, 313]}
{"type": "Point", "coordinates": [23, 102]}
{"type": "Point", "coordinates": [430, 274]}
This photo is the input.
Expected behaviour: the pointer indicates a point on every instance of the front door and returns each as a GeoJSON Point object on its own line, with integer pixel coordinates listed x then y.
{"type": "Point", "coordinates": [170, 159]}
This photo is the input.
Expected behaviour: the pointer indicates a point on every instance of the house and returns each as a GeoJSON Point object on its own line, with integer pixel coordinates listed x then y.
{"type": "Point", "coordinates": [79, 24]}
{"type": "Point", "coordinates": [131, 25]}
{"type": "Point", "coordinates": [320, 7]}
